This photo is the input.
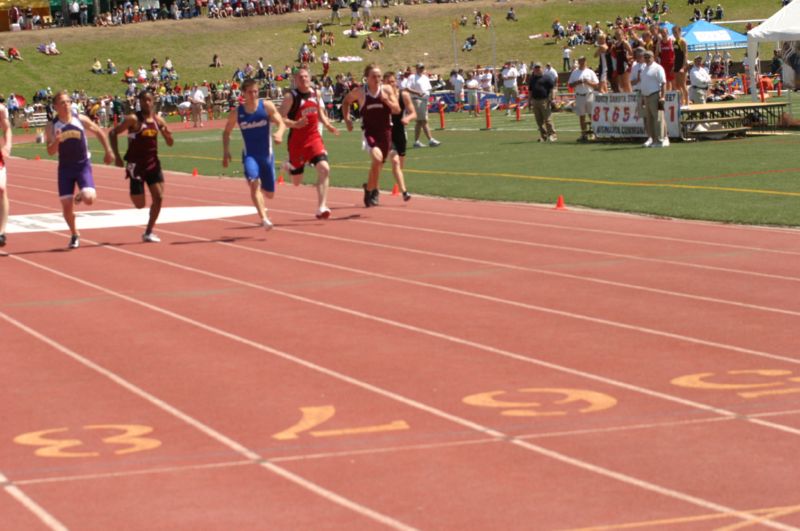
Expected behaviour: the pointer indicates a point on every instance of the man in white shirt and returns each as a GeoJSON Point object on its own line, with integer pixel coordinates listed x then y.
{"type": "Point", "coordinates": [198, 99]}
{"type": "Point", "coordinates": [584, 81]}
{"type": "Point", "coordinates": [652, 82]}
{"type": "Point", "coordinates": [699, 81]}
{"type": "Point", "coordinates": [485, 80]}
{"type": "Point", "coordinates": [510, 89]}
{"type": "Point", "coordinates": [419, 87]}
{"type": "Point", "coordinates": [457, 82]}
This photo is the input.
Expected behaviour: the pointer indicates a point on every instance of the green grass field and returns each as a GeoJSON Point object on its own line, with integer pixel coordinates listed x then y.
{"type": "Point", "coordinates": [753, 180]}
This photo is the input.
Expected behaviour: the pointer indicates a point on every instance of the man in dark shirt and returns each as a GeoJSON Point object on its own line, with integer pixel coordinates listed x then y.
{"type": "Point", "coordinates": [540, 89]}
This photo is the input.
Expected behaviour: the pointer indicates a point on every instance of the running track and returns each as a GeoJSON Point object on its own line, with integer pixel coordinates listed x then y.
{"type": "Point", "coordinates": [432, 365]}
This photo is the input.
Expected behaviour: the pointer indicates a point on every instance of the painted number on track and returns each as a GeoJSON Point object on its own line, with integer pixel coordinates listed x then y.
{"type": "Point", "coordinates": [314, 416]}
{"type": "Point", "coordinates": [589, 401]}
{"type": "Point", "coordinates": [52, 445]}
{"type": "Point", "coordinates": [751, 383]}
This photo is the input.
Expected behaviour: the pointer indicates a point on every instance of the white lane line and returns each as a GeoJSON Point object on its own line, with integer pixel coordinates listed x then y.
{"type": "Point", "coordinates": [507, 302]}
{"type": "Point", "coordinates": [142, 472]}
{"type": "Point", "coordinates": [45, 517]}
{"type": "Point", "coordinates": [624, 478]}
{"type": "Point", "coordinates": [188, 419]}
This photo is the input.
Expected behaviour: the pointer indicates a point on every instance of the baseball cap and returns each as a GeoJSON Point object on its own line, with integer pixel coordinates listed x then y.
{"type": "Point", "coordinates": [420, 65]}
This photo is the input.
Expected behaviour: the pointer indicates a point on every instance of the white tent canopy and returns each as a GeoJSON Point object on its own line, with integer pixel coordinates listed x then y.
{"type": "Point", "coordinates": [782, 26]}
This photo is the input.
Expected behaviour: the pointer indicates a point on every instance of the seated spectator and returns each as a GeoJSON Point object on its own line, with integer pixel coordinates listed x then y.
{"type": "Point", "coordinates": [470, 43]}
{"type": "Point", "coordinates": [216, 62]}
{"type": "Point", "coordinates": [97, 67]}
{"type": "Point", "coordinates": [141, 74]}
{"type": "Point", "coordinates": [312, 40]}
{"type": "Point", "coordinates": [511, 16]}
{"type": "Point", "coordinates": [463, 20]}
{"type": "Point", "coordinates": [50, 49]}
{"type": "Point", "coordinates": [129, 75]}
{"type": "Point", "coordinates": [13, 53]}
{"type": "Point", "coordinates": [371, 44]}
{"type": "Point", "coordinates": [352, 32]}
{"type": "Point", "coordinates": [111, 68]}
{"type": "Point", "coordinates": [3, 56]}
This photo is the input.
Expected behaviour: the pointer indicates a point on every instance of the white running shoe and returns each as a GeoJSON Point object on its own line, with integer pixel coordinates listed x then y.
{"type": "Point", "coordinates": [665, 142]}
{"type": "Point", "coordinates": [74, 241]}
{"type": "Point", "coordinates": [266, 223]}
{"type": "Point", "coordinates": [433, 142]}
{"type": "Point", "coordinates": [648, 143]}
{"type": "Point", "coordinates": [324, 213]}
{"type": "Point", "coordinates": [150, 238]}
{"type": "Point", "coordinates": [417, 144]}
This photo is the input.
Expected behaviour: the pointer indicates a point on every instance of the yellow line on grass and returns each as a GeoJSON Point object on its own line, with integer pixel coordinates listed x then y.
{"type": "Point", "coordinates": [592, 181]}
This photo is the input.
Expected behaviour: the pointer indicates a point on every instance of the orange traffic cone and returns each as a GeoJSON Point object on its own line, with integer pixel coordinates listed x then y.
{"type": "Point", "coordinates": [560, 203]}
{"type": "Point", "coordinates": [396, 190]}
{"type": "Point", "coordinates": [280, 179]}
{"type": "Point", "coordinates": [38, 157]}
{"type": "Point", "coordinates": [194, 172]}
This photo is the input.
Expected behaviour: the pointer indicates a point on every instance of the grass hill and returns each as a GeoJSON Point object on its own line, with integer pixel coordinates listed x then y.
{"type": "Point", "coordinates": [192, 43]}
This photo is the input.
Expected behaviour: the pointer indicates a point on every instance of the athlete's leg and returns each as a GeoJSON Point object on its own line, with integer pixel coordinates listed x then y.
{"type": "Point", "coordinates": [156, 199]}
{"type": "Point", "coordinates": [397, 170]}
{"type": "Point", "coordinates": [258, 199]}
{"type": "Point", "coordinates": [3, 204]}
{"type": "Point", "coordinates": [323, 183]}
{"type": "Point", "coordinates": [375, 168]}
{"type": "Point", "coordinates": [68, 211]}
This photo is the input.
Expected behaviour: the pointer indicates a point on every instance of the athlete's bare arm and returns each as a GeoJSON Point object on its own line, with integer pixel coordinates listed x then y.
{"type": "Point", "coordinates": [52, 138]}
{"type": "Point", "coordinates": [5, 132]}
{"type": "Point", "coordinates": [275, 117]}
{"type": "Point", "coordinates": [226, 137]}
{"type": "Point", "coordinates": [286, 106]}
{"type": "Point", "coordinates": [127, 124]}
{"type": "Point", "coordinates": [410, 112]}
{"type": "Point", "coordinates": [390, 99]}
{"type": "Point", "coordinates": [349, 99]}
{"type": "Point", "coordinates": [323, 116]}
{"type": "Point", "coordinates": [162, 126]}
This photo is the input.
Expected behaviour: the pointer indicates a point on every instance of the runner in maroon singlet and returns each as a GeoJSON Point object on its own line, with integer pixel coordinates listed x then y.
{"type": "Point", "coordinates": [5, 152]}
{"type": "Point", "coordinates": [377, 102]}
{"type": "Point", "coordinates": [143, 165]}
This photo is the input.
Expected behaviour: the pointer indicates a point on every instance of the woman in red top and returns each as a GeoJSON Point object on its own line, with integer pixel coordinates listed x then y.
{"type": "Point", "coordinates": [666, 54]}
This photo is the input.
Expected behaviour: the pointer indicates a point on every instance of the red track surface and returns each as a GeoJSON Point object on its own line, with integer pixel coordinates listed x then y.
{"type": "Point", "coordinates": [468, 365]}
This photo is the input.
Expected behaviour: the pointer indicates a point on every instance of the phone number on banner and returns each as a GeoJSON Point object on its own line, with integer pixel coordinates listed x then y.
{"type": "Point", "coordinates": [619, 116]}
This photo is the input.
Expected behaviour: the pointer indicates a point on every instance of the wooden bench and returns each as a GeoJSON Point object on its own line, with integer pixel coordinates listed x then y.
{"type": "Point", "coordinates": [728, 125]}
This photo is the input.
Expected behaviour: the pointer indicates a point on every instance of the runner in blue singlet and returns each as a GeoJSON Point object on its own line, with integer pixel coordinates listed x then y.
{"type": "Point", "coordinates": [253, 118]}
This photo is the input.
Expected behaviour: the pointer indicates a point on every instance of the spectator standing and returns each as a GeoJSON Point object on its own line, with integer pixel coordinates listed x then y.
{"type": "Point", "coordinates": [419, 86]}
{"type": "Point", "coordinates": [83, 10]}
{"type": "Point", "coordinates": [366, 10]}
{"type": "Point", "coordinates": [198, 100]}
{"type": "Point", "coordinates": [700, 80]}
{"type": "Point", "coordinates": [335, 12]}
{"type": "Point", "coordinates": [510, 88]}
{"type": "Point", "coordinates": [540, 89]}
{"type": "Point", "coordinates": [457, 82]}
{"type": "Point", "coordinates": [566, 53]}
{"type": "Point", "coordinates": [681, 51]}
{"type": "Point", "coordinates": [584, 82]}
{"type": "Point", "coordinates": [5, 152]}
{"type": "Point", "coordinates": [74, 13]}
{"type": "Point", "coordinates": [652, 81]}
{"type": "Point", "coordinates": [472, 86]}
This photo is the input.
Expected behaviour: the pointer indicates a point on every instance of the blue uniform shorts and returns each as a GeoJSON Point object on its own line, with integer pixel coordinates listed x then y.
{"type": "Point", "coordinates": [262, 168]}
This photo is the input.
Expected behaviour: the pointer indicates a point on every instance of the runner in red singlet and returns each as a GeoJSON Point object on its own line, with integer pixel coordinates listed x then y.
{"type": "Point", "coordinates": [377, 103]}
{"type": "Point", "coordinates": [303, 112]}
{"type": "Point", "coordinates": [666, 54]}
